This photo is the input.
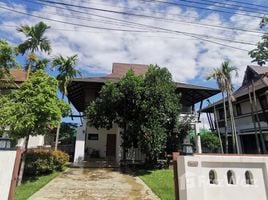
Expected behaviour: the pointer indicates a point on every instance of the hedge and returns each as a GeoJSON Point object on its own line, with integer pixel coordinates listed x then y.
{"type": "Point", "coordinates": [39, 162]}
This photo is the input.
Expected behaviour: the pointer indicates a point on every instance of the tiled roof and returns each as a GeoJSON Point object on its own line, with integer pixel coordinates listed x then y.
{"type": "Point", "coordinates": [259, 69]}
{"type": "Point", "coordinates": [120, 69]}
{"type": "Point", "coordinates": [19, 75]}
{"type": "Point", "coordinates": [260, 83]}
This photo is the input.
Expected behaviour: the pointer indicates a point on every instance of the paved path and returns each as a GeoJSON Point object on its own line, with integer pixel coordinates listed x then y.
{"type": "Point", "coordinates": [95, 184]}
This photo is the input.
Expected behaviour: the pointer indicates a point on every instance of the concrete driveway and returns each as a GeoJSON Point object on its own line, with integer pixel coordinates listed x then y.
{"type": "Point", "coordinates": [95, 184]}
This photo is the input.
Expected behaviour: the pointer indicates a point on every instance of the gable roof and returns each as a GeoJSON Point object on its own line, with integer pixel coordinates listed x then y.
{"type": "Point", "coordinates": [191, 94]}
{"type": "Point", "coordinates": [254, 74]}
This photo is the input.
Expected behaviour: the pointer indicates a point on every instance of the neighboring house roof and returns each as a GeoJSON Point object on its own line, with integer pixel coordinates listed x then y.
{"type": "Point", "coordinates": [191, 94]}
{"type": "Point", "coordinates": [254, 74]}
{"type": "Point", "coordinates": [17, 75]}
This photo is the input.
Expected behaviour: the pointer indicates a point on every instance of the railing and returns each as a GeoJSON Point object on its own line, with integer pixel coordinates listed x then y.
{"type": "Point", "coordinates": [135, 155]}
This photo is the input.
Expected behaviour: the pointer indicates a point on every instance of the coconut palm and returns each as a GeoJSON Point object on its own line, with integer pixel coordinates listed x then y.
{"type": "Point", "coordinates": [217, 75]}
{"type": "Point", "coordinates": [223, 76]}
{"type": "Point", "coordinates": [35, 41]}
{"type": "Point", "coordinates": [67, 71]}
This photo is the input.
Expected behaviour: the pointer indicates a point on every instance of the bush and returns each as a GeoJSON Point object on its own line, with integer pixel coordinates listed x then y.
{"type": "Point", "coordinates": [40, 162]}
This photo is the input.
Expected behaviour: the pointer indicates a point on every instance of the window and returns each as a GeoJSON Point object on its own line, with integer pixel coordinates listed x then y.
{"type": "Point", "coordinates": [212, 177]}
{"type": "Point", "coordinates": [221, 113]}
{"type": "Point", "coordinates": [238, 109]}
{"type": "Point", "coordinates": [263, 102]}
{"type": "Point", "coordinates": [93, 136]}
{"type": "Point", "coordinates": [249, 178]}
{"type": "Point", "coordinates": [231, 177]}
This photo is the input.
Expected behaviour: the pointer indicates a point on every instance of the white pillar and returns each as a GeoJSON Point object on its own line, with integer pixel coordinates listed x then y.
{"type": "Point", "coordinates": [198, 138]}
{"type": "Point", "coordinates": [79, 152]}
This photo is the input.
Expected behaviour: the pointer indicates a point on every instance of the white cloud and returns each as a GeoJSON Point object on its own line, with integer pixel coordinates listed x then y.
{"type": "Point", "coordinates": [184, 56]}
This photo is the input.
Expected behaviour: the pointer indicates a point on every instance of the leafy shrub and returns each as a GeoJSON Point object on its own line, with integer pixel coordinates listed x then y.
{"type": "Point", "coordinates": [44, 161]}
{"type": "Point", "coordinates": [60, 159]}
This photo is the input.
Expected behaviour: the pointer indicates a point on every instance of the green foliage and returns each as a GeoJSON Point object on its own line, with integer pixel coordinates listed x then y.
{"type": "Point", "coordinates": [161, 182]}
{"type": "Point", "coordinates": [7, 59]}
{"type": "Point", "coordinates": [67, 131]}
{"type": "Point", "coordinates": [39, 162]}
{"type": "Point", "coordinates": [210, 141]}
{"type": "Point", "coordinates": [34, 108]}
{"type": "Point", "coordinates": [145, 107]}
{"type": "Point", "coordinates": [260, 54]}
{"type": "Point", "coordinates": [66, 67]}
{"type": "Point", "coordinates": [35, 38]}
{"type": "Point", "coordinates": [32, 184]}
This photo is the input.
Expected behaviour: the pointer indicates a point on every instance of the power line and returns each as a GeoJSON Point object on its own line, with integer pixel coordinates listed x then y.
{"type": "Point", "coordinates": [246, 3]}
{"type": "Point", "coordinates": [179, 32]}
{"type": "Point", "coordinates": [154, 17]}
{"type": "Point", "coordinates": [233, 4]}
{"type": "Point", "coordinates": [205, 36]}
{"type": "Point", "coordinates": [199, 7]}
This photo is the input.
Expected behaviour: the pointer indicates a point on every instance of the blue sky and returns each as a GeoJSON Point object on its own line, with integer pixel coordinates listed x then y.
{"type": "Point", "coordinates": [169, 37]}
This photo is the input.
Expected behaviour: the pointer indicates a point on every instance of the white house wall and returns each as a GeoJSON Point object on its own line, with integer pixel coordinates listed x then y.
{"type": "Point", "coordinates": [100, 144]}
{"type": "Point", "coordinates": [194, 183]}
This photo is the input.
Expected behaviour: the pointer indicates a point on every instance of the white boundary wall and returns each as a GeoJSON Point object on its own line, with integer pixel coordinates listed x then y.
{"type": "Point", "coordinates": [7, 161]}
{"type": "Point", "coordinates": [194, 182]}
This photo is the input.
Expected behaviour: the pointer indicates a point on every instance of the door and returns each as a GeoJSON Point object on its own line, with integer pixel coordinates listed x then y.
{"type": "Point", "coordinates": [111, 146]}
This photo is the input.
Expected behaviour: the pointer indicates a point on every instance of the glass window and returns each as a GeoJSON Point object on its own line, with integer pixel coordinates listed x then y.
{"type": "Point", "coordinates": [238, 109]}
{"type": "Point", "coordinates": [93, 136]}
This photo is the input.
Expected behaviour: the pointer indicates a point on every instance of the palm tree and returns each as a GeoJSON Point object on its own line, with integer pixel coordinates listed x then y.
{"type": "Point", "coordinates": [36, 41]}
{"type": "Point", "coordinates": [217, 75]}
{"type": "Point", "coordinates": [67, 71]}
{"type": "Point", "coordinates": [223, 77]}
{"type": "Point", "coordinates": [227, 70]}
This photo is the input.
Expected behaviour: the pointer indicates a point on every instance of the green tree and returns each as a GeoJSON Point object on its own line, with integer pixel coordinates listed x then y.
{"type": "Point", "coordinates": [67, 71]}
{"type": "Point", "coordinates": [210, 141]}
{"type": "Point", "coordinates": [145, 107]}
{"type": "Point", "coordinates": [35, 41]}
{"type": "Point", "coordinates": [7, 62]}
{"type": "Point", "coordinates": [33, 109]}
{"type": "Point", "coordinates": [260, 54]}
{"type": "Point", "coordinates": [223, 77]}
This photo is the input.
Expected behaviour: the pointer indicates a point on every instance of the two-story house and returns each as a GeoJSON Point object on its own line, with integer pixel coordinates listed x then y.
{"type": "Point", "coordinates": [250, 112]}
{"type": "Point", "coordinates": [103, 143]}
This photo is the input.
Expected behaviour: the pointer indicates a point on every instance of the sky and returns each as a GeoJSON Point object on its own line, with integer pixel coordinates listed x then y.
{"type": "Point", "coordinates": [189, 37]}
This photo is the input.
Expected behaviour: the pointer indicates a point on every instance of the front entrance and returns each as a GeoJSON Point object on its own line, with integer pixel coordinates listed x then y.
{"type": "Point", "coordinates": [111, 146]}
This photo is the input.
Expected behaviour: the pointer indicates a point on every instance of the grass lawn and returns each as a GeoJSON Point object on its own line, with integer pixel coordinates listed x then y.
{"type": "Point", "coordinates": [32, 185]}
{"type": "Point", "coordinates": [160, 182]}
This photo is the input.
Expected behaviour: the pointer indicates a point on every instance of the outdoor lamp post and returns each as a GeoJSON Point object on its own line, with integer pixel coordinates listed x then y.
{"type": "Point", "coordinates": [5, 143]}
{"type": "Point", "coordinates": [187, 149]}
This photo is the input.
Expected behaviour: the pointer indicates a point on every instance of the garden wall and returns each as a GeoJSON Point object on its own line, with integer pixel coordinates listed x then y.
{"type": "Point", "coordinates": [221, 177]}
{"type": "Point", "coordinates": [7, 161]}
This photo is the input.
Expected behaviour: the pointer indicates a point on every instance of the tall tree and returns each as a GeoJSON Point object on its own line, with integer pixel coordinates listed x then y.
{"type": "Point", "coordinates": [217, 75]}
{"type": "Point", "coordinates": [7, 62]}
{"type": "Point", "coordinates": [35, 41]}
{"type": "Point", "coordinates": [223, 76]}
{"type": "Point", "coordinates": [33, 109]}
{"type": "Point", "coordinates": [145, 107]}
{"type": "Point", "coordinates": [67, 71]}
{"type": "Point", "coordinates": [260, 54]}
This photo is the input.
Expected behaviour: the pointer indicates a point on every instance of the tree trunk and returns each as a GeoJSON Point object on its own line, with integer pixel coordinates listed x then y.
{"type": "Point", "coordinates": [225, 122]}
{"type": "Point", "coordinates": [254, 122]}
{"type": "Point", "coordinates": [217, 128]}
{"type": "Point", "coordinates": [22, 165]}
{"type": "Point", "coordinates": [58, 130]}
{"type": "Point", "coordinates": [233, 127]}
{"type": "Point", "coordinates": [231, 121]}
{"type": "Point", "coordinates": [258, 119]}
{"type": "Point", "coordinates": [57, 136]}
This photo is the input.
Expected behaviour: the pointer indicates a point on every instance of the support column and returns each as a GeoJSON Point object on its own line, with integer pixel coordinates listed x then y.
{"type": "Point", "coordinates": [198, 138]}
{"type": "Point", "coordinates": [79, 153]}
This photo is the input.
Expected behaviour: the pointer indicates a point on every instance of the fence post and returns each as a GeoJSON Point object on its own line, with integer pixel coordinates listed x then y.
{"type": "Point", "coordinates": [175, 174]}
{"type": "Point", "coordinates": [15, 173]}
